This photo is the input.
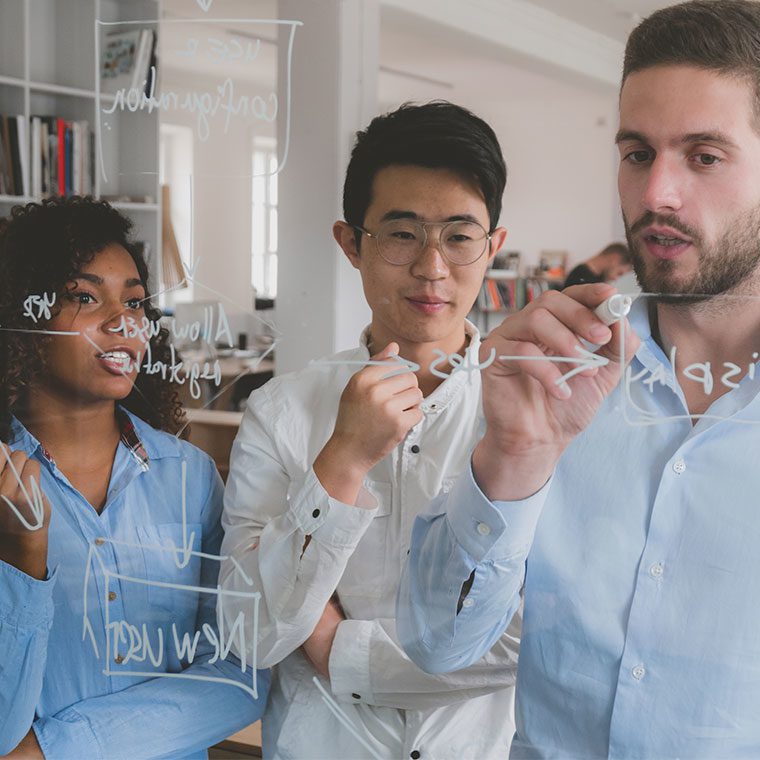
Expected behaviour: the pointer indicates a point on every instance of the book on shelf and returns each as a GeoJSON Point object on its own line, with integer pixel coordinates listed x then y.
{"type": "Point", "coordinates": [45, 156]}
{"type": "Point", "coordinates": [510, 294]}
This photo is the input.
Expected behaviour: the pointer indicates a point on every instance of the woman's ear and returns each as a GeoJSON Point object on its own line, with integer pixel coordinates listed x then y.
{"type": "Point", "coordinates": [345, 236]}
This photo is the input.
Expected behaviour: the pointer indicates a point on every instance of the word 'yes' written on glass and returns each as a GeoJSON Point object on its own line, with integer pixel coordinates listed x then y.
{"type": "Point", "coordinates": [38, 307]}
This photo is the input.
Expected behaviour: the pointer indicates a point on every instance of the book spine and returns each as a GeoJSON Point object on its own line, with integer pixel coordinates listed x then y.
{"type": "Point", "coordinates": [61, 157]}
{"type": "Point", "coordinates": [18, 184]}
{"type": "Point", "coordinates": [35, 158]}
{"type": "Point", "coordinates": [67, 159]}
{"type": "Point", "coordinates": [10, 184]}
{"type": "Point", "coordinates": [23, 149]}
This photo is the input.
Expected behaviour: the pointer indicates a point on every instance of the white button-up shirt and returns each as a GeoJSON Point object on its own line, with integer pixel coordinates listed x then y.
{"type": "Point", "coordinates": [274, 500]}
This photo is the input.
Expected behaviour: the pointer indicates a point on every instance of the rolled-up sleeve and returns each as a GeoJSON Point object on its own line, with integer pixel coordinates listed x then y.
{"type": "Point", "coordinates": [462, 580]}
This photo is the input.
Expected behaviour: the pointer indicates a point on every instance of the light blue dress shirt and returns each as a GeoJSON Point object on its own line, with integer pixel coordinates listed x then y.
{"type": "Point", "coordinates": [53, 647]}
{"type": "Point", "coordinates": [641, 579]}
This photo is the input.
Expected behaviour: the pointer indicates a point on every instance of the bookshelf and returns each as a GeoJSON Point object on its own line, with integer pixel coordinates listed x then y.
{"type": "Point", "coordinates": [48, 67]}
{"type": "Point", "coordinates": [503, 292]}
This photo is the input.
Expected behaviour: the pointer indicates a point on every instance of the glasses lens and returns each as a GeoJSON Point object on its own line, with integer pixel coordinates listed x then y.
{"type": "Point", "coordinates": [463, 242]}
{"type": "Point", "coordinates": [400, 240]}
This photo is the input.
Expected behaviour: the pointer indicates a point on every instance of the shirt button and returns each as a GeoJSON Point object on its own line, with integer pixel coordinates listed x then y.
{"type": "Point", "coordinates": [638, 672]}
{"type": "Point", "coordinates": [315, 513]}
{"type": "Point", "coordinates": [118, 659]}
{"type": "Point", "coordinates": [467, 603]}
{"type": "Point", "coordinates": [483, 529]}
{"type": "Point", "coordinates": [99, 541]}
{"type": "Point", "coordinates": [415, 754]}
{"type": "Point", "coordinates": [656, 570]}
{"type": "Point", "coordinates": [356, 696]}
{"type": "Point", "coordinates": [679, 466]}
{"type": "Point", "coordinates": [415, 449]}
{"type": "Point", "coordinates": [111, 596]}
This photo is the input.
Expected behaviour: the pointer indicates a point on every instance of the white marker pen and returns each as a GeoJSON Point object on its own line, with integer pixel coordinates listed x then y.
{"type": "Point", "coordinates": [610, 311]}
{"type": "Point", "coordinates": [613, 309]}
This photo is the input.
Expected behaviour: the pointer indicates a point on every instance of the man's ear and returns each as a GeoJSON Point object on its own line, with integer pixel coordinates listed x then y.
{"type": "Point", "coordinates": [345, 237]}
{"type": "Point", "coordinates": [498, 236]}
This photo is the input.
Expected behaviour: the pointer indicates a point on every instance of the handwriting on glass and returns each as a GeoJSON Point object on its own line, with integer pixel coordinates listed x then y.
{"type": "Point", "coordinates": [703, 373]}
{"type": "Point", "coordinates": [125, 641]}
{"type": "Point", "coordinates": [32, 496]}
{"type": "Point", "coordinates": [38, 307]}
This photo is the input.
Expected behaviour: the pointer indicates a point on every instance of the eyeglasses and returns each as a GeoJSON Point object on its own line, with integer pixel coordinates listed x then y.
{"type": "Point", "coordinates": [400, 241]}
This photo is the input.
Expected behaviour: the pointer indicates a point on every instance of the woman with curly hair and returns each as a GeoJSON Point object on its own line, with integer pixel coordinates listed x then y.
{"type": "Point", "coordinates": [99, 504]}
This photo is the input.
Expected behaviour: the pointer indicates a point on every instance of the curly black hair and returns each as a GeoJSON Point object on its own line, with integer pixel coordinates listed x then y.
{"type": "Point", "coordinates": [42, 247]}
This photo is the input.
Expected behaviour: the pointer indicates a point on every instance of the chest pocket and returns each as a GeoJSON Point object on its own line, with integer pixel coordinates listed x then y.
{"type": "Point", "coordinates": [163, 566]}
{"type": "Point", "coordinates": [366, 574]}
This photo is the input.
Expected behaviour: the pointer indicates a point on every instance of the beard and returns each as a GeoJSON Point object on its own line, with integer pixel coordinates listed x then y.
{"type": "Point", "coordinates": [722, 266]}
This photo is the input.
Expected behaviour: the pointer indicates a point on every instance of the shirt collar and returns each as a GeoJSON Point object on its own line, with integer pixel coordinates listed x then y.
{"type": "Point", "coordinates": [144, 442]}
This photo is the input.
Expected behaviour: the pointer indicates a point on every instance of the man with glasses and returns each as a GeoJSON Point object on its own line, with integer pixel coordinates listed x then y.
{"type": "Point", "coordinates": [332, 465]}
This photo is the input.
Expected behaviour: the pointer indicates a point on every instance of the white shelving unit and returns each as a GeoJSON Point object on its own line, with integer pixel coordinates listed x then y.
{"type": "Point", "coordinates": [48, 66]}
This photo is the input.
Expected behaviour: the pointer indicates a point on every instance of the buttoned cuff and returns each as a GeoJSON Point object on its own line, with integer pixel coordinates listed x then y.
{"type": "Point", "coordinates": [328, 520]}
{"type": "Point", "coordinates": [349, 662]}
{"type": "Point", "coordinates": [25, 602]}
{"type": "Point", "coordinates": [66, 736]}
{"type": "Point", "coordinates": [500, 529]}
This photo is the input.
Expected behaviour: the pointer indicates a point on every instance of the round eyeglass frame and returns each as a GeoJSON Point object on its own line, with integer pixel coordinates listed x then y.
{"type": "Point", "coordinates": [439, 246]}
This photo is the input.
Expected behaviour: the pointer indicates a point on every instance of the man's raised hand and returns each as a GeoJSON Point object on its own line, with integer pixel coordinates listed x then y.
{"type": "Point", "coordinates": [531, 413]}
{"type": "Point", "coordinates": [378, 407]}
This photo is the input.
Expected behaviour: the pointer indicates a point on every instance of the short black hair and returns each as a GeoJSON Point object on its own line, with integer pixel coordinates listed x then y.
{"type": "Point", "coordinates": [716, 35]}
{"type": "Point", "coordinates": [436, 135]}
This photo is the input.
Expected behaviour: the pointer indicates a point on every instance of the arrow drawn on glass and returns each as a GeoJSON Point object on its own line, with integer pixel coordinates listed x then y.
{"type": "Point", "coordinates": [403, 365]}
{"type": "Point", "coordinates": [586, 360]}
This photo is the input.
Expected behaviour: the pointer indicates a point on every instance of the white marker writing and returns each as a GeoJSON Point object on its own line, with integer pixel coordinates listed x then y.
{"type": "Point", "coordinates": [42, 304]}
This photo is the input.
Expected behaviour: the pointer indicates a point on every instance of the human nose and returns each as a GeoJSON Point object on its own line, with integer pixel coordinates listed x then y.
{"type": "Point", "coordinates": [113, 316]}
{"type": "Point", "coordinates": [662, 191]}
{"type": "Point", "coordinates": [431, 264]}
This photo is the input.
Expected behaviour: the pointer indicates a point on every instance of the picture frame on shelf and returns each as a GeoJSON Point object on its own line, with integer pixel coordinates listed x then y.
{"type": "Point", "coordinates": [507, 261]}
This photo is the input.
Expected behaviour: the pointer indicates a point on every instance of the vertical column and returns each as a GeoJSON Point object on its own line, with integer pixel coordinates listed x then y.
{"type": "Point", "coordinates": [333, 81]}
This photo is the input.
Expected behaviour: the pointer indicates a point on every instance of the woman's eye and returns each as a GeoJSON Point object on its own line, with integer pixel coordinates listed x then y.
{"type": "Point", "coordinates": [83, 299]}
{"type": "Point", "coordinates": [135, 303]}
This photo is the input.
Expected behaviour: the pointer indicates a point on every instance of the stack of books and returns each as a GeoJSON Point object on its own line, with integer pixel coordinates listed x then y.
{"type": "Point", "coordinates": [47, 156]}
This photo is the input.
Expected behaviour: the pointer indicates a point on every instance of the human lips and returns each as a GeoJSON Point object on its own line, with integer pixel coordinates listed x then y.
{"type": "Point", "coordinates": [118, 360]}
{"type": "Point", "coordinates": [427, 304]}
{"type": "Point", "coordinates": [665, 243]}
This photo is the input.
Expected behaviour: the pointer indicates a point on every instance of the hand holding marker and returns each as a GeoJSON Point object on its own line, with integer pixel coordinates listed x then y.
{"type": "Point", "coordinates": [612, 310]}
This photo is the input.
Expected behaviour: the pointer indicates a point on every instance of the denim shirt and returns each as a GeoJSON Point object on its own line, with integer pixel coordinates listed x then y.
{"type": "Point", "coordinates": [117, 653]}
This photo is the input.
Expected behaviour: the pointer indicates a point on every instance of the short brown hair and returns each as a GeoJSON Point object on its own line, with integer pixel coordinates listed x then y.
{"type": "Point", "coordinates": [717, 35]}
{"type": "Point", "coordinates": [619, 249]}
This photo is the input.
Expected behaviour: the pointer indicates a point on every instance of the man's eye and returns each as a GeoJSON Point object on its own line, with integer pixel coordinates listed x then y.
{"type": "Point", "coordinates": [638, 156]}
{"type": "Point", "coordinates": [707, 159]}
